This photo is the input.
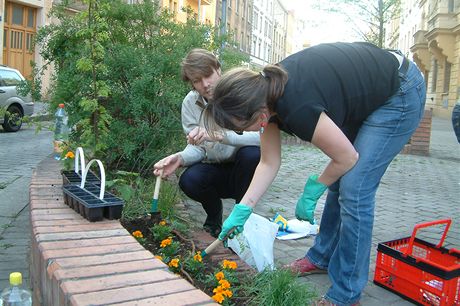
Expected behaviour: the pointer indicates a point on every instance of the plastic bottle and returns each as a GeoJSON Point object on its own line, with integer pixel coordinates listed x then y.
{"type": "Point", "coordinates": [15, 295]}
{"type": "Point", "coordinates": [61, 130]}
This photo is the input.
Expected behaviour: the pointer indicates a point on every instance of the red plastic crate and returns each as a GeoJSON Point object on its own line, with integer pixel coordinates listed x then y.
{"type": "Point", "coordinates": [419, 271]}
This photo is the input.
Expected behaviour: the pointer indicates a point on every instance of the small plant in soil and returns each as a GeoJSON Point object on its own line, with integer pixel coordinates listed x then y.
{"type": "Point", "coordinates": [168, 241]}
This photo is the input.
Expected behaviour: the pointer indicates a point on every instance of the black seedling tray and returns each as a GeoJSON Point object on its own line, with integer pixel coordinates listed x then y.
{"type": "Point", "coordinates": [71, 177]}
{"type": "Point", "coordinates": [86, 202]}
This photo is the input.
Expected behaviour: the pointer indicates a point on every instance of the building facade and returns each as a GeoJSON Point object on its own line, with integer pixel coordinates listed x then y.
{"type": "Point", "coordinates": [429, 33]}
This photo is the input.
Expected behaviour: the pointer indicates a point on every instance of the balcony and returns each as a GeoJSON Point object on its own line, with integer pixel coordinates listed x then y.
{"type": "Point", "coordinates": [195, 2]}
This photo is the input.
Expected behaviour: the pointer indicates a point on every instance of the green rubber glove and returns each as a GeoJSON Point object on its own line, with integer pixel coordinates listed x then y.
{"type": "Point", "coordinates": [237, 218]}
{"type": "Point", "coordinates": [306, 205]}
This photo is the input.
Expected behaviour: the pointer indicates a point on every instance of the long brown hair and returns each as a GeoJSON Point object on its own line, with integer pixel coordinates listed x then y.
{"type": "Point", "coordinates": [240, 96]}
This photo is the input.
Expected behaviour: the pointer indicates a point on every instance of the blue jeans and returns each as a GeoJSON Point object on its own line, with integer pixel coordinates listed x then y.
{"type": "Point", "coordinates": [209, 183]}
{"type": "Point", "coordinates": [343, 244]}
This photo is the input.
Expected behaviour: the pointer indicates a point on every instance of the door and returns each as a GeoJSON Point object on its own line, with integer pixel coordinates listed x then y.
{"type": "Point", "coordinates": [18, 36]}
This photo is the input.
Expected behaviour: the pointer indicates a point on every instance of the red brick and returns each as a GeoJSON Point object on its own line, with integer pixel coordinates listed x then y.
{"type": "Point", "coordinates": [61, 210]}
{"type": "Point", "coordinates": [164, 291]}
{"type": "Point", "coordinates": [97, 284]}
{"type": "Point", "coordinates": [93, 250]}
{"type": "Point", "coordinates": [68, 244]}
{"type": "Point", "coordinates": [72, 262]}
{"type": "Point", "coordinates": [74, 228]}
{"type": "Point", "coordinates": [69, 216]}
{"type": "Point", "coordinates": [81, 235]}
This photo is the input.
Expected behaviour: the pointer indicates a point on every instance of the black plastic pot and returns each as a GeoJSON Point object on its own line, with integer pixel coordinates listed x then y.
{"type": "Point", "coordinates": [72, 177]}
{"type": "Point", "coordinates": [87, 203]}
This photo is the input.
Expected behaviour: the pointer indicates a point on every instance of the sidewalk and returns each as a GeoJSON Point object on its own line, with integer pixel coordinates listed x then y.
{"type": "Point", "coordinates": [414, 189]}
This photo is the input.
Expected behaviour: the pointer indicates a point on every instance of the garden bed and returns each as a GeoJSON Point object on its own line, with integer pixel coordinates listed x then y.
{"type": "Point", "coordinates": [221, 279]}
{"type": "Point", "coordinates": [222, 282]}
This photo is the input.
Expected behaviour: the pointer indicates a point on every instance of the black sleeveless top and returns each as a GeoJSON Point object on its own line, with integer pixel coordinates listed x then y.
{"type": "Point", "coordinates": [347, 81]}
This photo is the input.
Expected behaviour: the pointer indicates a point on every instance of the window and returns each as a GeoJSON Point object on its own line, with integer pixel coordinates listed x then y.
{"type": "Point", "coordinates": [18, 15]}
{"type": "Point", "coordinates": [450, 6]}
{"type": "Point", "coordinates": [10, 78]}
{"type": "Point", "coordinates": [434, 80]}
{"type": "Point", "coordinates": [447, 70]}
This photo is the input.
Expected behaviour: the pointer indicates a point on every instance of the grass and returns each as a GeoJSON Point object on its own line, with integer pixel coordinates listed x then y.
{"type": "Point", "coordinates": [278, 288]}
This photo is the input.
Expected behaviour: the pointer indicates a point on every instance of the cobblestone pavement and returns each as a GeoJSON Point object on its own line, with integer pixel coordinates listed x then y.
{"type": "Point", "coordinates": [414, 189]}
{"type": "Point", "coordinates": [20, 152]}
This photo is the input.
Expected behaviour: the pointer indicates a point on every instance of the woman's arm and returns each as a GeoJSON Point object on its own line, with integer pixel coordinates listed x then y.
{"type": "Point", "coordinates": [270, 161]}
{"type": "Point", "coordinates": [331, 140]}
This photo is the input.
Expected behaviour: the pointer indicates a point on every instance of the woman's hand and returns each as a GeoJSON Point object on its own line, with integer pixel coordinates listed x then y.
{"type": "Point", "coordinates": [168, 165]}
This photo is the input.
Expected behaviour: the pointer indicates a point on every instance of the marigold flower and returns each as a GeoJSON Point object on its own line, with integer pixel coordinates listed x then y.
{"type": "Point", "coordinates": [227, 264]}
{"type": "Point", "coordinates": [159, 257]}
{"type": "Point", "coordinates": [166, 242]}
{"type": "Point", "coordinates": [228, 293]}
{"type": "Point", "coordinates": [70, 154]}
{"type": "Point", "coordinates": [220, 275]}
{"type": "Point", "coordinates": [225, 284]}
{"type": "Point", "coordinates": [174, 263]}
{"type": "Point", "coordinates": [198, 257]}
{"type": "Point", "coordinates": [218, 297]}
{"type": "Point", "coordinates": [218, 289]}
{"type": "Point", "coordinates": [162, 222]}
{"type": "Point", "coordinates": [138, 234]}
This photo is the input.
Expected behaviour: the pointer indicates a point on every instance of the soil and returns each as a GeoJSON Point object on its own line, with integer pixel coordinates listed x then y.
{"type": "Point", "coordinates": [187, 246]}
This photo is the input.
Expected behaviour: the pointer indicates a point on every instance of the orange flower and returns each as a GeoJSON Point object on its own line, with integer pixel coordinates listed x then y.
{"type": "Point", "coordinates": [174, 263]}
{"type": "Point", "coordinates": [159, 257]}
{"type": "Point", "coordinates": [227, 264]}
{"type": "Point", "coordinates": [198, 257]}
{"type": "Point", "coordinates": [218, 297]}
{"type": "Point", "coordinates": [220, 275]}
{"type": "Point", "coordinates": [228, 293]}
{"type": "Point", "coordinates": [138, 234]}
{"type": "Point", "coordinates": [224, 284]}
{"type": "Point", "coordinates": [162, 222]}
{"type": "Point", "coordinates": [70, 154]}
{"type": "Point", "coordinates": [218, 289]}
{"type": "Point", "coordinates": [166, 242]}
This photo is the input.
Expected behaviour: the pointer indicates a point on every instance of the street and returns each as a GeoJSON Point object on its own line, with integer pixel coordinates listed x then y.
{"type": "Point", "coordinates": [20, 152]}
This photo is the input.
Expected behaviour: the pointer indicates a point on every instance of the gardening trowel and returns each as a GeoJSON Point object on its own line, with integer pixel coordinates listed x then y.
{"type": "Point", "coordinates": [215, 244]}
{"type": "Point", "coordinates": [155, 214]}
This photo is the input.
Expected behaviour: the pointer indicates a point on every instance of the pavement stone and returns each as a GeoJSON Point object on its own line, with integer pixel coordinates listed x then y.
{"type": "Point", "coordinates": [20, 153]}
{"type": "Point", "coordinates": [414, 189]}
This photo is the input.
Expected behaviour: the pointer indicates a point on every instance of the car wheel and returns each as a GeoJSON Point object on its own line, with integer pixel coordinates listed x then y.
{"type": "Point", "coordinates": [13, 119]}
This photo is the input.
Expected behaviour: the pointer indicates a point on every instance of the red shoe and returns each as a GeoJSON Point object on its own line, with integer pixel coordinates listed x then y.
{"type": "Point", "coordinates": [303, 266]}
{"type": "Point", "coordinates": [324, 302]}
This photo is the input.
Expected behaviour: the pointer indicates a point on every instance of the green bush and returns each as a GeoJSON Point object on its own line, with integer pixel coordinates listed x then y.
{"type": "Point", "coordinates": [117, 69]}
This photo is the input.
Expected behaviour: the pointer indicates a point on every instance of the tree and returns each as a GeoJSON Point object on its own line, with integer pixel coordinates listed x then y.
{"type": "Point", "coordinates": [368, 16]}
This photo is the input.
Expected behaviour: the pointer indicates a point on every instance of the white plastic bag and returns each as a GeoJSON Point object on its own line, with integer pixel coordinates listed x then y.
{"type": "Point", "coordinates": [255, 244]}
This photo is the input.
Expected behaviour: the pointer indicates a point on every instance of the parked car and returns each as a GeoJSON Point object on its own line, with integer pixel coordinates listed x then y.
{"type": "Point", "coordinates": [13, 107]}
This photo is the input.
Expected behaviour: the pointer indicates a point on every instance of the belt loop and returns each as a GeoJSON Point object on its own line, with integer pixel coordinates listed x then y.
{"type": "Point", "coordinates": [404, 66]}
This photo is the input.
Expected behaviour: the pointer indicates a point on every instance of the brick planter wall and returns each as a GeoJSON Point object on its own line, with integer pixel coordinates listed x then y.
{"type": "Point", "coordinates": [76, 262]}
{"type": "Point", "coordinates": [419, 143]}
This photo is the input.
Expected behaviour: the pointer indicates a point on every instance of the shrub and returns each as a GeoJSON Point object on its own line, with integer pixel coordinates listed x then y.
{"type": "Point", "coordinates": [117, 69]}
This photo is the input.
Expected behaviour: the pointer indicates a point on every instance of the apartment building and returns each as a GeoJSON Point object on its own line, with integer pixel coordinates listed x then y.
{"type": "Point", "coordinates": [204, 10]}
{"type": "Point", "coordinates": [237, 15]}
{"type": "Point", "coordinates": [429, 33]}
